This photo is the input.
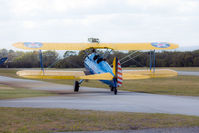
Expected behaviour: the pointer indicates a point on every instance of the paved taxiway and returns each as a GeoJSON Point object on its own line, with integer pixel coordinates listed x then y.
{"type": "Point", "coordinates": [188, 73]}
{"type": "Point", "coordinates": [101, 99]}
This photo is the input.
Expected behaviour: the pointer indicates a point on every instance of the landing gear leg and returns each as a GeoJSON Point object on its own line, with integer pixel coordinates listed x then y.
{"type": "Point", "coordinates": [76, 86]}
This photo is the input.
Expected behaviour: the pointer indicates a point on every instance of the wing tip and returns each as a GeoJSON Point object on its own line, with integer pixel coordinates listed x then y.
{"type": "Point", "coordinates": [17, 44]}
{"type": "Point", "coordinates": [174, 45]}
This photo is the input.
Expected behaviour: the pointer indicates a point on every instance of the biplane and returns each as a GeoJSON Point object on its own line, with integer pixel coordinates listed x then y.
{"type": "Point", "coordinates": [97, 68]}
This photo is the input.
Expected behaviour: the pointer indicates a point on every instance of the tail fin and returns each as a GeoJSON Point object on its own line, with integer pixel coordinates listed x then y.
{"type": "Point", "coordinates": [117, 71]}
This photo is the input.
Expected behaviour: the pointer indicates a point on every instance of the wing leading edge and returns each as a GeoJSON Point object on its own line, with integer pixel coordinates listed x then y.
{"type": "Point", "coordinates": [84, 46]}
{"type": "Point", "coordinates": [77, 75]}
{"type": "Point", "coordinates": [144, 74]}
{"type": "Point", "coordinates": [51, 74]}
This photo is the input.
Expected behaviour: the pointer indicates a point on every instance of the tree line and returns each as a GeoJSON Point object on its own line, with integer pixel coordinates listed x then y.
{"type": "Point", "coordinates": [20, 59]}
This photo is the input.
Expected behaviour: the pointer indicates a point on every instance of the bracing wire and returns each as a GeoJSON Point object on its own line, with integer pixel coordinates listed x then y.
{"type": "Point", "coordinates": [128, 55]}
{"type": "Point", "coordinates": [130, 58]}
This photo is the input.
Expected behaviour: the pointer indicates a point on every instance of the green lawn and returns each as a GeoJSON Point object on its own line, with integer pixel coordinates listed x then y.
{"type": "Point", "coordinates": [8, 72]}
{"type": "Point", "coordinates": [180, 85]}
{"type": "Point", "coordinates": [23, 120]}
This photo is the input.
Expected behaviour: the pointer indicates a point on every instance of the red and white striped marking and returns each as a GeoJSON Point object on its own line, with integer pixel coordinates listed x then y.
{"type": "Point", "coordinates": [119, 74]}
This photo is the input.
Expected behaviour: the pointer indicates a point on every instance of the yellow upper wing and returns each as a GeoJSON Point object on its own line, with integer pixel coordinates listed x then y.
{"type": "Point", "coordinates": [52, 74]}
{"type": "Point", "coordinates": [144, 74]}
{"type": "Point", "coordinates": [84, 46]}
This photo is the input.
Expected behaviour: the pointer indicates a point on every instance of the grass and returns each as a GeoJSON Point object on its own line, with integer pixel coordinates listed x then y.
{"type": "Point", "coordinates": [8, 72]}
{"type": "Point", "coordinates": [7, 92]}
{"type": "Point", "coordinates": [180, 85]}
{"type": "Point", "coordinates": [29, 120]}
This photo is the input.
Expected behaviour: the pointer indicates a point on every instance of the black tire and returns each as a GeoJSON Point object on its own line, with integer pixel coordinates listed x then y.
{"type": "Point", "coordinates": [76, 86]}
{"type": "Point", "coordinates": [115, 90]}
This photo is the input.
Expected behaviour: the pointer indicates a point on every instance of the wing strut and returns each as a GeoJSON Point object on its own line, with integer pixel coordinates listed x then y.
{"type": "Point", "coordinates": [41, 60]}
{"type": "Point", "coordinates": [152, 60]}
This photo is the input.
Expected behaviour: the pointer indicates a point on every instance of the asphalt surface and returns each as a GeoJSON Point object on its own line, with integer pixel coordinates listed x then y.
{"type": "Point", "coordinates": [101, 99]}
{"type": "Point", "coordinates": [188, 73]}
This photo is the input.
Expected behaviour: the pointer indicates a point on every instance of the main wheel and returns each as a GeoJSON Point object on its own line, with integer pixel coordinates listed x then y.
{"type": "Point", "coordinates": [115, 90]}
{"type": "Point", "coordinates": [76, 86]}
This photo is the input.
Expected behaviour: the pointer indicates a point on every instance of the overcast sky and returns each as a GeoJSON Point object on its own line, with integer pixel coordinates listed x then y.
{"type": "Point", "coordinates": [174, 21]}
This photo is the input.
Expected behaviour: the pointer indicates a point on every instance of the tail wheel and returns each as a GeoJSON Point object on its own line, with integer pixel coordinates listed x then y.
{"type": "Point", "coordinates": [76, 86]}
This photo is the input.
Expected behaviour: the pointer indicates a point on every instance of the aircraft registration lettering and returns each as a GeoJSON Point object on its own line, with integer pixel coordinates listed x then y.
{"type": "Point", "coordinates": [33, 44]}
{"type": "Point", "coordinates": [160, 44]}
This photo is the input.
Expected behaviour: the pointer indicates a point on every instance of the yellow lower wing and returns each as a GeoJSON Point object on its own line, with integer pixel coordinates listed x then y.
{"type": "Point", "coordinates": [127, 74]}
{"type": "Point", "coordinates": [144, 74]}
{"type": "Point", "coordinates": [51, 74]}
{"type": "Point", "coordinates": [103, 76]}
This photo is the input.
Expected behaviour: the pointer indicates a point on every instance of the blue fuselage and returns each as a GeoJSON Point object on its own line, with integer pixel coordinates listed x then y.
{"type": "Point", "coordinates": [95, 64]}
